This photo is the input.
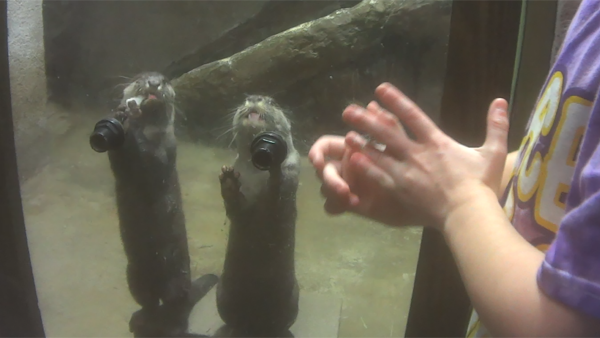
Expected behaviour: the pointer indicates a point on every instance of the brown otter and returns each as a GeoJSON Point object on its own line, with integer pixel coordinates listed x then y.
{"type": "Point", "coordinates": [151, 217]}
{"type": "Point", "coordinates": [257, 294]}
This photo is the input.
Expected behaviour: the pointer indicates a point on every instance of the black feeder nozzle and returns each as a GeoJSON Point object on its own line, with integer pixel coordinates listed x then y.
{"type": "Point", "coordinates": [268, 149]}
{"type": "Point", "coordinates": [108, 134]}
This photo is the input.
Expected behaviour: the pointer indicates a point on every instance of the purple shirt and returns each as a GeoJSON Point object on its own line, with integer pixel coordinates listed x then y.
{"type": "Point", "coordinates": [553, 198]}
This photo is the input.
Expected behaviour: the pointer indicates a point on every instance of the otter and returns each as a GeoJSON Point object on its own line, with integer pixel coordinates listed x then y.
{"type": "Point", "coordinates": [151, 217]}
{"type": "Point", "coordinates": [161, 323]}
{"type": "Point", "coordinates": [257, 293]}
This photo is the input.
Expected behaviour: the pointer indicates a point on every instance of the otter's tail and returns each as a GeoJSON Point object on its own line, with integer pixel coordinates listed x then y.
{"type": "Point", "coordinates": [200, 287]}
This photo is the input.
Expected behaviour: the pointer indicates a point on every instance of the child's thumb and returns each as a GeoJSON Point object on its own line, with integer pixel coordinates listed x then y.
{"type": "Point", "coordinates": [497, 129]}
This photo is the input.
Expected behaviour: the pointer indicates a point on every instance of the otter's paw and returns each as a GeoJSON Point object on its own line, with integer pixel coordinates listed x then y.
{"type": "Point", "coordinates": [134, 110]}
{"type": "Point", "coordinates": [230, 179]}
{"type": "Point", "coordinates": [153, 105]}
{"type": "Point", "coordinates": [230, 189]}
{"type": "Point", "coordinates": [124, 112]}
{"type": "Point", "coordinates": [121, 113]}
{"type": "Point", "coordinates": [138, 322]}
{"type": "Point", "coordinates": [132, 104]}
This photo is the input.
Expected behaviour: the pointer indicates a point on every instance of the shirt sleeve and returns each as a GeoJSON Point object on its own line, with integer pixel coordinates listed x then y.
{"type": "Point", "coordinates": [571, 269]}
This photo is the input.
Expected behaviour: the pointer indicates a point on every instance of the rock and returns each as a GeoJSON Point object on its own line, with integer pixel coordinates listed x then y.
{"type": "Point", "coordinates": [292, 64]}
{"type": "Point", "coordinates": [315, 104]}
{"type": "Point", "coordinates": [273, 18]}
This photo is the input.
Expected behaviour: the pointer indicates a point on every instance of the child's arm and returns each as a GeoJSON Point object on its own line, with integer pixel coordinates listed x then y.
{"type": "Point", "coordinates": [499, 269]}
{"type": "Point", "coordinates": [456, 187]}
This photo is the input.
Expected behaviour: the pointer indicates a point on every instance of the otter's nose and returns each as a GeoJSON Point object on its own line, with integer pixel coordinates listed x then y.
{"type": "Point", "coordinates": [255, 99]}
{"type": "Point", "coordinates": [153, 83]}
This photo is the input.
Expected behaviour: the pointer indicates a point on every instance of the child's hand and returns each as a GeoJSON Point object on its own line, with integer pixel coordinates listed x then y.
{"type": "Point", "coordinates": [432, 175]}
{"type": "Point", "coordinates": [346, 192]}
{"type": "Point", "coordinates": [326, 156]}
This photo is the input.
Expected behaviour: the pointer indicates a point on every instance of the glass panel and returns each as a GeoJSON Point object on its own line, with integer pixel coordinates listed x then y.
{"type": "Point", "coordinates": [70, 63]}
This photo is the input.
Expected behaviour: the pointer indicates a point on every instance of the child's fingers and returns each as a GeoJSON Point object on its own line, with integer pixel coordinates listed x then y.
{"type": "Point", "coordinates": [328, 146]}
{"type": "Point", "coordinates": [375, 107]}
{"type": "Point", "coordinates": [382, 159]}
{"type": "Point", "coordinates": [339, 197]}
{"type": "Point", "coordinates": [355, 141]}
{"type": "Point", "coordinates": [367, 168]}
{"type": "Point", "coordinates": [334, 183]}
{"type": "Point", "coordinates": [335, 207]}
{"type": "Point", "coordinates": [408, 112]}
{"type": "Point", "coordinates": [384, 128]}
{"type": "Point", "coordinates": [336, 164]}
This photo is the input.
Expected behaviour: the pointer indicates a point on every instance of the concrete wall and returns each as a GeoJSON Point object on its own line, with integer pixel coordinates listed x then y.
{"type": "Point", "coordinates": [34, 121]}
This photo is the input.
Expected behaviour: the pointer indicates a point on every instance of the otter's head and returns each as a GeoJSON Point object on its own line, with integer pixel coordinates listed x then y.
{"type": "Point", "coordinates": [155, 96]}
{"type": "Point", "coordinates": [256, 115]}
{"type": "Point", "coordinates": [150, 85]}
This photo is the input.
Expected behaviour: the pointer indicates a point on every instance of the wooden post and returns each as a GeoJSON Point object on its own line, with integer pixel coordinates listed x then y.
{"type": "Point", "coordinates": [481, 54]}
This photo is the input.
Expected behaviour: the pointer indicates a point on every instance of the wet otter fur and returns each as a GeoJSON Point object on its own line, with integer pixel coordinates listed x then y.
{"type": "Point", "coordinates": [151, 217]}
{"type": "Point", "coordinates": [257, 294]}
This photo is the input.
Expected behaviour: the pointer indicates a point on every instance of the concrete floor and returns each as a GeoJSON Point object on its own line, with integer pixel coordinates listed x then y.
{"type": "Point", "coordinates": [79, 264]}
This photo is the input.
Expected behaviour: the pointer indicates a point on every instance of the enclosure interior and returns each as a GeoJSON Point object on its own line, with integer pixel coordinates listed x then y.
{"type": "Point", "coordinates": [68, 63]}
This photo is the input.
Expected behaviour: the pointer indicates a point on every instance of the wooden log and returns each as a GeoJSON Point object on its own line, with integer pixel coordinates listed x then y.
{"type": "Point", "coordinates": [274, 17]}
{"type": "Point", "coordinates": [302, 52]}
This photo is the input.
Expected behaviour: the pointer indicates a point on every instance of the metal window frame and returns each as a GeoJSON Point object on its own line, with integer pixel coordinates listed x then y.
{"type": "Point", "coordinates": [15, 263]}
